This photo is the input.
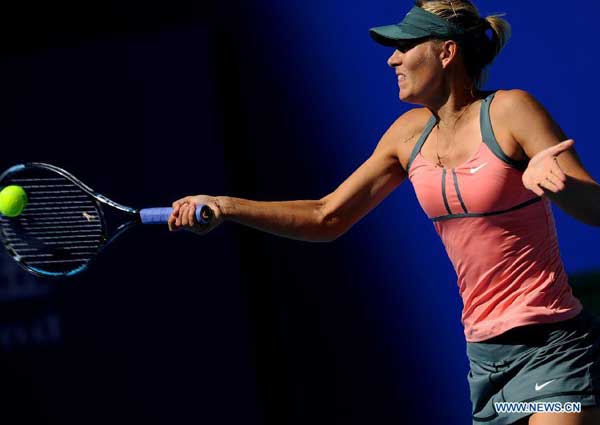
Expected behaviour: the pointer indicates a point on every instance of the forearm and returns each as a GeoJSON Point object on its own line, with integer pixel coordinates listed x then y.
{"type": "Point", "coordinates": [302, 220]}
{"type": "Point", "coordinates": [581, 199]}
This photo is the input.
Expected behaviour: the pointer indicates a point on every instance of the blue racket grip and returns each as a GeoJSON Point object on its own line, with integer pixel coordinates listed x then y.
{"type": "Point", "coordinates": [161, 215]}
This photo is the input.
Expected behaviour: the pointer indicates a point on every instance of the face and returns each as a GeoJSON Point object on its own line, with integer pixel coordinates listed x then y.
{"type": "Point", "coordinates": [419, 70]}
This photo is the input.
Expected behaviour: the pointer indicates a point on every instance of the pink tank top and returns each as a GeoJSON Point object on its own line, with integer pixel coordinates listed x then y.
{"type": "Point", "coordinates": [500, 237]}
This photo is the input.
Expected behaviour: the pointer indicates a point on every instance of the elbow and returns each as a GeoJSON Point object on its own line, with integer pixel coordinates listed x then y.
{"type": "Point", "coordinates": [329, 236]}
{"type": "Point", "coordinates": [327, 233]}
{"type": "Point", "coordinates": [330, 226]}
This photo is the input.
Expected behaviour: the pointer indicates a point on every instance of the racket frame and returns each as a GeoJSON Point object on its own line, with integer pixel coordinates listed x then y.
{"type": "Point", "coordinates": [98, 198]}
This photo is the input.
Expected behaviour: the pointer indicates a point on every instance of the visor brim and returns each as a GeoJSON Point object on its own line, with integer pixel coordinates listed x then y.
{"type": "Point", "coordinates": [393, 35]}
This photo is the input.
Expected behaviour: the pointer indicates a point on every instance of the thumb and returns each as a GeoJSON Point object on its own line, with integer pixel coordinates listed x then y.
{"type": "Point", "coordinates": [561, 147]}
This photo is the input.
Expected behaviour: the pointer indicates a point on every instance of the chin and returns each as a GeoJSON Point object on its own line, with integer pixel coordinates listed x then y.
{"type": "Point", "coordinates": [406, 97]}
{"type": "Point", "coordinates": [410, 96]}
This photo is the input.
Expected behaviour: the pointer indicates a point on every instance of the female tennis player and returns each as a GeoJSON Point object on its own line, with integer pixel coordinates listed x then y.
{"type": "Point", "coordinates": [484, 166]}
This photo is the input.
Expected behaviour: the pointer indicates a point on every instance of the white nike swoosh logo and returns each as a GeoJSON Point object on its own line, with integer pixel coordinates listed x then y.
{"type": "Point", "coordinates": [539, 387]}
{"type": "Point", "coordinates": [474, 170]}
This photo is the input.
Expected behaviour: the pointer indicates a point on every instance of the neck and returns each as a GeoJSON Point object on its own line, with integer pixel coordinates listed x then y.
{"type": "Point", "coordinates": [449, 106]}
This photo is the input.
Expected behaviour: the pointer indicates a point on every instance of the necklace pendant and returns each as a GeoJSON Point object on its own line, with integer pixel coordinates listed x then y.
{"type": "Point", "coordinates": [439, 162]}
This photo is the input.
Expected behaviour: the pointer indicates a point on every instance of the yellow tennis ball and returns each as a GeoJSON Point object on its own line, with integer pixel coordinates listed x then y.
{"type": "Point", "coordinates": [13, 200]}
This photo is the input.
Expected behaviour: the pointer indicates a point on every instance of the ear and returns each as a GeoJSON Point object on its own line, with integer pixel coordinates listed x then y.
{"type": "Point", "coordinates": [448, 52]}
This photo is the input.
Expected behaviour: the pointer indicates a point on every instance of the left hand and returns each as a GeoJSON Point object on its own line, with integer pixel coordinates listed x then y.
{"type": "Point", "coordinates": [543, 171]}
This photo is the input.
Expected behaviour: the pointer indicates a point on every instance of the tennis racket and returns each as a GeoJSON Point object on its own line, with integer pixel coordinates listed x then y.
{"type": "Point", "coordinates": [65, 223]}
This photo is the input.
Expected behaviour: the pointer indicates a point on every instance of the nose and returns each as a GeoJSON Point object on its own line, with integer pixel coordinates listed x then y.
{"type": "Point", "coordinates": [395, 59]}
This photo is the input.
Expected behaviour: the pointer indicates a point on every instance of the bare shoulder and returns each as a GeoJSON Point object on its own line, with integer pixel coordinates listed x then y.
{"type": "Point", "coordinates": [518, 105]}
{"type": "Point", "coordinates": [511, 110]}
{"type": "Point", "coordinates": [511, 101]}
{"type": "Point", "coordinates": [535, 130]}
{"type": "Point", "coordinates": [404, 133]}
{"type": "Point", "coordinates": [527, 121]}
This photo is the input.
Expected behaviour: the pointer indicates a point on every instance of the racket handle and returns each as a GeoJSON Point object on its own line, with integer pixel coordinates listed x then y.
{"type": "Point", "coordinates": [161, 215]}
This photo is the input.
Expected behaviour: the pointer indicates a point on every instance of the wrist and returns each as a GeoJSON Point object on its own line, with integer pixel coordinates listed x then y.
{"type": "Point", "coordinates": [225, 206]}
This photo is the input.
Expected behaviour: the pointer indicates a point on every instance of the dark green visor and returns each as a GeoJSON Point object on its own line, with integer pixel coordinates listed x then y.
{"type": "Point", "coordinates": [417, 24]}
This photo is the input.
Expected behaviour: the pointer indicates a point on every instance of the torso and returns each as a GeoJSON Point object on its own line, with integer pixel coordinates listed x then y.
{"type": "Point", "coordinates": [467, 139]}
{"type": "Point", "coordinates": [499, 236]}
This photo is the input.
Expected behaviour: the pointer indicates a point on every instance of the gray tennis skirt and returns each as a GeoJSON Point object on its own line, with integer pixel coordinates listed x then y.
{"type": "Point", "coordinates": [556, 362]}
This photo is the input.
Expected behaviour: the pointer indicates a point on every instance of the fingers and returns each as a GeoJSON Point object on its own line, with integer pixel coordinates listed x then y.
{"type": "Point", "coordinates": [171, 222]}
{"type": "Point", "coordinates": [555, 179]}
{"type": "Point", "coordinates": [546, 174]}
{"type": "Point", "coordinates": [192, 214]}
{"type": "Point", "coordinates": [553, 184]}
{"type": "Point", "coordinates": [536, 189]}
{"type": "Point", "coordinates": [174, 221]}
{"type": "Point", "coordinates": [183, 215]}
{"type": "Point", "coordinates": [176, 204]}
{"type": "Point", "coordinates": [532, 181]}
{"type": "Point", "coordinates": [550, 182]}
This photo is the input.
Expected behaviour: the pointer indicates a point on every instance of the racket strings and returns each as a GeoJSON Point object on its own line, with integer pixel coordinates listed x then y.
{"type": "Point", "coordinates": [61, 228]}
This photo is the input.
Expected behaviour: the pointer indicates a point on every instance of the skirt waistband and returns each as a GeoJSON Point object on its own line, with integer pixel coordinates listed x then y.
{"type": "Point", "coordinates": [517, 341]}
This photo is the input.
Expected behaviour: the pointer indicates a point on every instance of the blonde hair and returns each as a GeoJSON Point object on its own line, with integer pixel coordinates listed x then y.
{"type": "Point", "coordinates": [481, 50]}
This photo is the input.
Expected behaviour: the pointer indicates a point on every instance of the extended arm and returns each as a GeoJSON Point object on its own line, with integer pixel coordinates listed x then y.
{"type": "Point", "coordinates": [310, 220]}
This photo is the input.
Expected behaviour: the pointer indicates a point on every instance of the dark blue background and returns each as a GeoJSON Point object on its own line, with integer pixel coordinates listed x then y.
{"type": "Point", "coordinates": [147, 102]}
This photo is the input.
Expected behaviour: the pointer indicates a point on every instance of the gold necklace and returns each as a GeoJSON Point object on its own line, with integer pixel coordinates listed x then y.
{"type": "Point", "coordinates": [437, 138]}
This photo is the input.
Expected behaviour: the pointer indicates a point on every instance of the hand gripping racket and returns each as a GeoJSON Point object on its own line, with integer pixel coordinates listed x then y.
{"type": "Point", "coordinates": [65, 223]}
